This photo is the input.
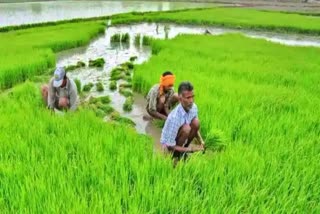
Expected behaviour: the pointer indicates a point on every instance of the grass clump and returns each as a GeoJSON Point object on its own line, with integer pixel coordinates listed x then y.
{"type": "Point", "coordinates": [79, 64]}
{"type": "Point", "coordinates": [78, 84]}
{"type": "Point", "coordinates": [147, 40]}
{"type": "Point", "coordinates": [115, 116]}
{"type": "Point", "coordinates": [137, 40]}
{"type": "Point", "coordinates": [115, 38]}
{"type": "Point", "coordinates": [125, 85]}
{"type": "Point", "coordinates": [215, 140]}
{"type": "Point", "coordinates": [133, 58]}
{"type": "Point", "coordinates": [125, 92]}
{"type": "Point", "coordinates": [113, 85]}
{"type": "Point", "coordinates": [103, 100]}
{"type": "Point", "coordinates": [87, 87]}
{"type": "Point", "coordinates": [127, 105]}
{"type": "Point", "coordinates": [99, 86]}
{"type": "Point", "coordinates": [125, 38]}
{"type": "Point", "coordinates": [97, 63]}
{"type": "Point", "coordinates": [127, 65]}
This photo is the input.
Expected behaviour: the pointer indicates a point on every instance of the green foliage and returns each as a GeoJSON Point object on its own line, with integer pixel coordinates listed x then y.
{"type": "Point", "coordinates": [29, 52]}
{"type": "Point", "coordinates": [127, 105]}
{"type": "Point", "coordinates": [97, 63]}
{"type": "Point", "coordinates": [125, 92]}
{"type": "Point", "coordinates": [99, 86]}
{"type": "Point", "coordinates": [87, 87]}
{"type": "Point", "coordinates": [113, 85]}
{"type": "Point", "coordinates": [258, 106]}
{"type": "Point", "coordinates": [115, 38]}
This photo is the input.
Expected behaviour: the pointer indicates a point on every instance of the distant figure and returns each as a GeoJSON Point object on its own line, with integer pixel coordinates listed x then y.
{"type": "Point", "coordinates": [161, 97]}
{"type": "Point", "coordinates": [61, 93]}
{"type": "Point", "coordinates": [182, 125]}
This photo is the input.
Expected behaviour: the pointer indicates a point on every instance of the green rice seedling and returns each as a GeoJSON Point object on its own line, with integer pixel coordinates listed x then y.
{"type": "Point", "coordinates": [137, 39]}
{"type": "Point", "coordinates": [78, 84]}
{"type": "Point", "coordinates": [21, 60]}
{"type": "Point", "coordinates": [127, 78]}
{"type": "Point", "coordinates": [133, 58]}
{"type": "Point", "coordinates": [127, 105]}
{"type": "Point", "coordinates": [125, 38]}
{"type": "Point", "coordinates": [158, 123]}
{"type": "Point", "coordinates": [115, 116]}
{"type": "Point", "coordinates": [115, 38]}
{"type": "Point", "coordinates": [113, 85]}
{"type": "Point", "coordinates": [215, 140]}
{"type": "Point", "coordinates": [100, 113]}
{"type": "Point", "coordinates": [81, 64]}
{"type": "Point", "coordinates": [97, 63]}
{"type": "Point", "coordinates": [146, 40]}
{"type": "Point", "coordinates": [105, 99]}
{"type": "Point", "coordinates": [107, 109]}
{"type": "Point", "coordinates": [128, 73]}
{"type": "Point", "coordinates": [125, 92]}
{"type": "Point", "coordinates": [117, 76]}
{"type": "Point", "coordinates": [127, 65]}
{"type": "Point", "coordinates": [87, 87]}
{"type": "Point", "coordinates": [99, 86]}
{"type": "Point", "coordinates": [115, 73]}
{"type": "Point", "coordinates": [125, 85]}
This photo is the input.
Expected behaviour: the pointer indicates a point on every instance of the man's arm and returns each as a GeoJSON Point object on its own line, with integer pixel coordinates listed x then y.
{"type": "Point", "coordinates": [199, 137]}
{"type": "Point", "coordinates": [185, 149]}
{"type": "Point", "coordinates": [51, 96]}
{"type": "Point", "coordinates": [152, 106]}
{"type": "Point", "coordinates": [73, 96]}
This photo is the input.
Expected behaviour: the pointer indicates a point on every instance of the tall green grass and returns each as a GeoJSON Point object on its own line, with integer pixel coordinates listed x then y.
{"type": "Point", "coordinates": [25, 53]}
{"type": "Point", "coordinates": [77, 163]}
{"type": "Point", "coordinates": [263, 100]}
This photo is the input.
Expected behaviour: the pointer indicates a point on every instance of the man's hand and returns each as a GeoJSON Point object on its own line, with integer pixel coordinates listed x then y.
{"type": "Point", "coordinates": [196, 148]}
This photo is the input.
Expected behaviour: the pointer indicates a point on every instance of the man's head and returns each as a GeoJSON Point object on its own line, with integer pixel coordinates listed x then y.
{"type": "Point", "coordinates": [185, 92]}
{"type": "Point", "coordinates": [59, 77]}
{"type": "Point", "coordinates": [167, 81]}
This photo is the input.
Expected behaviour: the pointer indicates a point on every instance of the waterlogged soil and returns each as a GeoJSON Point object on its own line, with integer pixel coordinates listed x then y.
{"type": "Point", "coordinates": [115, 54]}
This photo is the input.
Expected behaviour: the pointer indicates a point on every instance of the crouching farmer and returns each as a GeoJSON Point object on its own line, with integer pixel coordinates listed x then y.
{"type": "Point", "coordinates": [61, 93]}
{"type": "Point", "coordinates": [182, 125]}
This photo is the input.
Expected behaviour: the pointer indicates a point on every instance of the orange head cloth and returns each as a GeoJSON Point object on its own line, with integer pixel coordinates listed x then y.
{"type": "Point", "coordinates": [166, 81]}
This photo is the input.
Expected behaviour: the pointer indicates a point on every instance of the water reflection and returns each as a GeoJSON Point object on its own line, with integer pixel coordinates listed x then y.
{"type": "Point", "coordinates": [30, 12]}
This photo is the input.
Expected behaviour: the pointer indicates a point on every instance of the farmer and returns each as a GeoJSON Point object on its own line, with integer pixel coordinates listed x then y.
{"type": "Point", "coordinates": [61, 93]}
{"type": "Point", "coordinates": [161, 97]}
{"type": "Point", "coordinates": [182, 125]}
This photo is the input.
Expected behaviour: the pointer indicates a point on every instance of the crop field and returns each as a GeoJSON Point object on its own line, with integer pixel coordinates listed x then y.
{"type": "Point", "coordinates": [258, 99]}
{"type": "Point", "coordinates": [29, 52]}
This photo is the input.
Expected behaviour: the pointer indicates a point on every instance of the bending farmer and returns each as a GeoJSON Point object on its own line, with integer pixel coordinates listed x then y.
{"type": "Point", "coordinates": [182, 125]}
{"type": "Point", "coordinates": [161, 97]}
{"type": "Point", "coordinates": [61, 93]}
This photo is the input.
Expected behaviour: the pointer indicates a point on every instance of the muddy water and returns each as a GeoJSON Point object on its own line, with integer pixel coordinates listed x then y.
{"type": "Point", "coordinates": [115, 54]}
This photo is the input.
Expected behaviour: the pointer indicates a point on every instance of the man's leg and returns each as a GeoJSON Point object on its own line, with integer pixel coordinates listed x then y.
{"type": "Point", "coordinates": [44, 93]}
{"type": "Point", "coordinates": [160, 105]}
{"type": "Point", "coordinates": [195, 126]}
{"type": "Point", "coordinates": [63, 103]}
{"type": "Point", "coordinates": [181, 139]}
